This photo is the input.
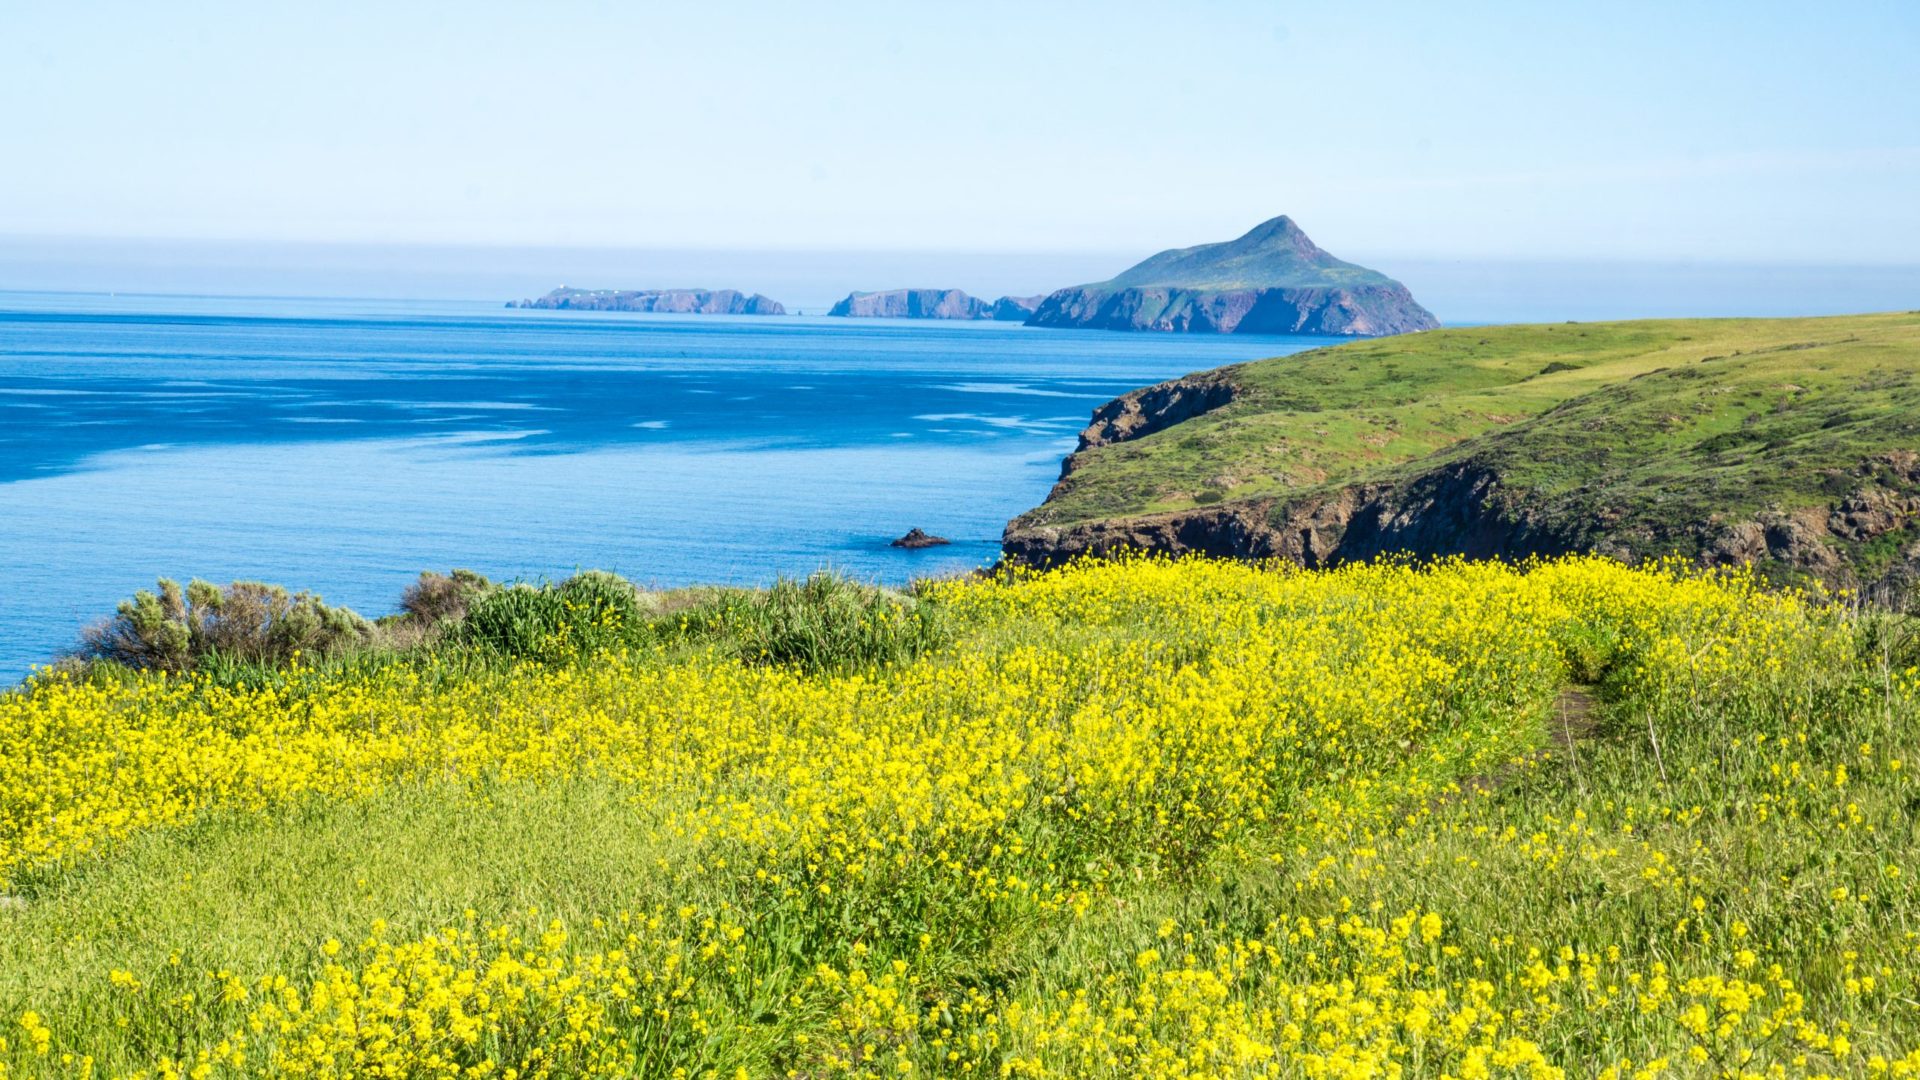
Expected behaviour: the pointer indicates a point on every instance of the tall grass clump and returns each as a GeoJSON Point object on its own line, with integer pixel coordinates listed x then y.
{"type": "Point", "coordinates": [589, 613]}
{"type": "Point", "coordinates": [824, 623]}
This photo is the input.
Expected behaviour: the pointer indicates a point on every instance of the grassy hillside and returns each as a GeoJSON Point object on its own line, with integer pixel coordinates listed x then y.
{"type": "Point", "coordinates": [1670, 422]}
{"type": "Point", "coordinates": [1127, 819]}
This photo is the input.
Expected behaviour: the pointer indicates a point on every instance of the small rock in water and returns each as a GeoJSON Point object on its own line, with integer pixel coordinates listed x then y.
{"type": "Point", "coordinates": [919, 538]}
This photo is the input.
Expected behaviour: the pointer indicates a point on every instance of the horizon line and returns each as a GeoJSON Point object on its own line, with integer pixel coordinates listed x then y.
{"type": "Point", "coordinates": [1835, 262]}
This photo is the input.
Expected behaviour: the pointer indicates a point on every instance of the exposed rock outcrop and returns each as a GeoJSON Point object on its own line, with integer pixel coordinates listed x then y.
{"type": "Point", "coordinates": [1153, 408]}
{"type": "Point", "coordinates": [1460, 510]}
{"type": "Point", "coordinates": [1273, 280]}
{"type": "Point", "coordinates": [919, 538]}
{"type": "Point", "coordinates": [660, 301]}
{"type": "Point", "coordinates": [1464, 508]}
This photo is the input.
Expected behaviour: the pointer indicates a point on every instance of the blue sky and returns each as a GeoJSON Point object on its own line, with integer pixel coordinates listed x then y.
{"type": "Point", "coordinates": [1736, 131]}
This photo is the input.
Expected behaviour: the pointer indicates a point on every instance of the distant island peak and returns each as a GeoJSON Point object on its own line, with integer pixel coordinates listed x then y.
{"type": "Point", "coordinates": [1272, 279]}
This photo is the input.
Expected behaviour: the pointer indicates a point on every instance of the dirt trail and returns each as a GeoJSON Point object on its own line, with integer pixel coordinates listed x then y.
{"type": "Point", "coordinates": [1576, 713]}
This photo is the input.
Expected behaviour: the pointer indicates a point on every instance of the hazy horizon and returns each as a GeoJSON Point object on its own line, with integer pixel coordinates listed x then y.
{"type": "Point", "coordinates": [1457, 290]}
{"type": "Point", "coordinates": [1743, 159]}
{"type": "Point", "coordinates": [1725, 132]}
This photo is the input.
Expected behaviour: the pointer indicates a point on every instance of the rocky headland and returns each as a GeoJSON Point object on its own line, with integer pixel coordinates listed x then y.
{"type": "Point", "coordinates": [1792, 446]}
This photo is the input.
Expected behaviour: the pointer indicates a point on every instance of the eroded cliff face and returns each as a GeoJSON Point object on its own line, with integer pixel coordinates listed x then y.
{"type": "Point", "coordinates": [1153, 408]}
{"type": "Point", "coordinates": [1358, 311]}
{"type": "Point", "coordinates": [1458, 510]}
{"type": "Point", "coordinates": [1867, 539]}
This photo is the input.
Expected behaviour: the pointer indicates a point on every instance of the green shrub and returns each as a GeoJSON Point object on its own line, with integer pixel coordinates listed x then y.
{"type": "Point", "coordinates": [825, 623]}
{"type": "Point", "coordinates": [248, 622]}
{"type": "Point", "coordinates": [588, 613]}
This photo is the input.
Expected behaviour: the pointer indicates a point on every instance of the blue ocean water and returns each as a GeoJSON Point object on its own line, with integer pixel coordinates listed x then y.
{"type": "Point", "coordinates": [345, 445]}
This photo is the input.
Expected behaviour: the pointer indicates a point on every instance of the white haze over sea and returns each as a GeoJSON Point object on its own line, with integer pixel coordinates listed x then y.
{"type": "Point", "coordinates": [1467, 290]}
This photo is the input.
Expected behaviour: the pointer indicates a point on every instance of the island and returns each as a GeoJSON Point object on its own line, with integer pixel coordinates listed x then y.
{"type": "Point", "coordinates": [659, 301]}
{"type": "Point", "coordinates": [1273, 280]}
{"type": "Point", "coordinates": [911, 304]}
{"type": "Point", "coordinates": [934, 304]}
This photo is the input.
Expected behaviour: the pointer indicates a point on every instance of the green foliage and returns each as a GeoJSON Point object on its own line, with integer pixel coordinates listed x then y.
{"type": "Point", "coordinates": [1651, 426]}
{"type": "Point", "coordinates": [1589, 649]}
{"type": "Point", "coordinates": [587, 614]}
{"type": "Point", "coordinates": [248, 634]}
{"type": "Point", "coordinates": [248, 622]}
{"type": "Point", "coordinates": [825, 623]}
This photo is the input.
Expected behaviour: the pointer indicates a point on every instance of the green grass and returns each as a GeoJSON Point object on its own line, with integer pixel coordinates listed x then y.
{"type": "Point", "coordinates": [1672, 421]}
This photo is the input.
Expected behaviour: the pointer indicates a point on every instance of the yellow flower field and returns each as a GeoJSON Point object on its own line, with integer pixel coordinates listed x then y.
{"type": "Point", "coordinates": [1140, 818]}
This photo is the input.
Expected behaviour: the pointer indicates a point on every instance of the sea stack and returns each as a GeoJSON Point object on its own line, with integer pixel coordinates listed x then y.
{"type": "Point", "coordinates": [919, 538]}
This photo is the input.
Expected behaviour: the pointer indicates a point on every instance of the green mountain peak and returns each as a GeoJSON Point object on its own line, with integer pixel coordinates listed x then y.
{"type": "Point", "coordinates": [1275, 254]}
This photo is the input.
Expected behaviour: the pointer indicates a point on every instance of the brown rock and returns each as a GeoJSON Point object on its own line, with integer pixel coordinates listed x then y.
{"type": "Point", "coordinates": [920, 538]}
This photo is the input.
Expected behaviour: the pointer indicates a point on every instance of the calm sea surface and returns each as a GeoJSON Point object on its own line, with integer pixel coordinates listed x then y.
{"type": "Point", "coordinates": [343, 446]}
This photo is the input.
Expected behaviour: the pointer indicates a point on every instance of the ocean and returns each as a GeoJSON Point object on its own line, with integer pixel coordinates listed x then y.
{"type": "Point", "coordinates": [343, 446]}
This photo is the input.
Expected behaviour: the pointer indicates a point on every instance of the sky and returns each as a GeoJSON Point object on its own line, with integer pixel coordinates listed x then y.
{"type": "Point", "coordinates": [1676, 132]}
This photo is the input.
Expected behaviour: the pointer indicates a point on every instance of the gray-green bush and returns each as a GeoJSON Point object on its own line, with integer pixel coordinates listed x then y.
{"type": "Point", "coordinates": [249, 622]}
{"type": "Point", "coordinates": [438, 603]}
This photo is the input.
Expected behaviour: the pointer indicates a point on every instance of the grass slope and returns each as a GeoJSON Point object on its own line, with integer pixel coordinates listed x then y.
{"type": "Point", "coordinates": [1675, 419]}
